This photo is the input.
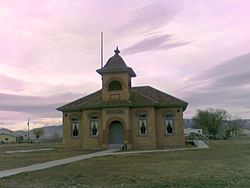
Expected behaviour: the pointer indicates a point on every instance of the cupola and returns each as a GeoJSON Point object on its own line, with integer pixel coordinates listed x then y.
{"type": "Point", "coordinates": [116, 78]}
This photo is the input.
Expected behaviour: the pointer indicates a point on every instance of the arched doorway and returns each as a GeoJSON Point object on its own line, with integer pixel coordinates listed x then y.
{"type": "Point", "coordinates": [115, 134]}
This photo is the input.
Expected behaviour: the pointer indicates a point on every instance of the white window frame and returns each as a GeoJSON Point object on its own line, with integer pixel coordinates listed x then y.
{"type": "Point", "coordinates": [142, 119]}
{"type": "Point", "coordinates": [169, 119]}
{"type": "Point", "coordinates": [93, 122]}
{"type": "Point", "coordinates": [75, 122]}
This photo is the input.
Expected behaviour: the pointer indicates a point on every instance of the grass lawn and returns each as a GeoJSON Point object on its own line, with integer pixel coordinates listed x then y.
{"type": "Point", "coordinates": [225, 164]}
{"type": "Point", "coordinates": [15, 160]}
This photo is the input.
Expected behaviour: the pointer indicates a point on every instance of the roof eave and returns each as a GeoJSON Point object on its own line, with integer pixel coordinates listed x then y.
{"type": "Point", "coordinates": [79, 109]}
{"type": "Point", "coordinates": [129, 70]}
{"type": "Point", "coordinates": [183, 106]}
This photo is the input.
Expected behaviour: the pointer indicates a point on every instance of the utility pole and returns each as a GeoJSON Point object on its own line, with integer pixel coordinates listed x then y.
{"type": "Point", "coordinates": [28, 130]}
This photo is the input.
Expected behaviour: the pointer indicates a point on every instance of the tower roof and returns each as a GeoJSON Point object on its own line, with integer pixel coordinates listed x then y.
{"type": "Point", "coordinates": [116, 64]}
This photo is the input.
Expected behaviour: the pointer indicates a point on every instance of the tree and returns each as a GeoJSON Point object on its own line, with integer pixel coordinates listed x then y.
{"type": "Point", "coordinates": [233, 128]}
{"type": "Point", "coordinates": [38, 132]}
{"type": "Point", "coordinates": [210, 120]}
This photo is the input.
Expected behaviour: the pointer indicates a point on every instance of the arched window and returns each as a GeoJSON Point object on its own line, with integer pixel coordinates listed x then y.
{"type": "Point", "coordinates": [115, 85]}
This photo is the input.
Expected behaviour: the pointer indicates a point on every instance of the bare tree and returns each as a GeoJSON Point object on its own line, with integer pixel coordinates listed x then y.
{"type": "Point", "coordinates": [38, 132]}
{"type": "Point", "coordinates": [210, 120]}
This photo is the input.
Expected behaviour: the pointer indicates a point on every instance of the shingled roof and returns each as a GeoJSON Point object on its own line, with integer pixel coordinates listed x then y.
{"type": "Point", "coordinates": [144, 96]}
{"type": "Point", "coordinates": [116, 64]}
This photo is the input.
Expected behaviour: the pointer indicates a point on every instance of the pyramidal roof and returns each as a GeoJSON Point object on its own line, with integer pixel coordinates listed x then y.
{"type": "Point", "coordinates": [116, 64]}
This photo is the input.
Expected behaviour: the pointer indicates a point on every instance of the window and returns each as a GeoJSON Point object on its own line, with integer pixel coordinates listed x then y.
{"type": "Point", "coordinates": [94, 126]}
{"type": "Point", "coordinates": [169, 124]}
{"type": "Point", "coordinates": [75, 126]}
{"type": "Point", "coordinates": [142, 124]}
{"type": "Point", "coordinates": [115, 85]}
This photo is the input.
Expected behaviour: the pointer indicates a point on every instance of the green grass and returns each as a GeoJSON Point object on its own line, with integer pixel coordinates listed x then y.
{"type": "Point", "coordinates": [15, 160]}
{"type": "Point", "coordinates": [225, 164]}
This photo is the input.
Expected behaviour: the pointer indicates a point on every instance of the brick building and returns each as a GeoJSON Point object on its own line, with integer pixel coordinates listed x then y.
{"type": "Point", "coordinates": [143, 116]}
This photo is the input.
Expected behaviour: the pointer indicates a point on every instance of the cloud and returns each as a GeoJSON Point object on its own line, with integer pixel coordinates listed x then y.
{"type": "Point", "coordinates": [36, 105]}
{"type": "Point", "coordinates": [232, 73]}
{"type": "Point", "coordinates": [152, 43]}
{"type": "Point", "coordinates": [15, 109]}
{"type": "Point", "coordinates": [150, 16]}
{"type": "Point", "coordinates": [225, 85]}
{"type": "Point", "coordinates": [30, 108]}
{"type": "Point", "coordinates": [225, 97]}
{"type": "Point", "coordinates": [7, 82]}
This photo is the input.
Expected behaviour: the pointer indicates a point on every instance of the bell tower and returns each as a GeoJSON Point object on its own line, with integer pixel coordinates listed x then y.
{"type": "Point", "coordinates": [116, 78]}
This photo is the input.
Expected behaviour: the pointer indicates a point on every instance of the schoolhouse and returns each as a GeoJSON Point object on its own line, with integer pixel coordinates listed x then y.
{"type": "Point", "coordinates": [141, 116]}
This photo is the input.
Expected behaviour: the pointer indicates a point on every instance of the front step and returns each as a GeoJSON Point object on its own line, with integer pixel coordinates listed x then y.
{"type": "Point", "coordinates": [200, 144]}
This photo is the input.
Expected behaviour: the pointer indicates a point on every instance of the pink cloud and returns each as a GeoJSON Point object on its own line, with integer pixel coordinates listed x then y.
{"type": "Point", "coordinates": [53, 46]}
{"type": "Point", "coordinates": [7, 82]}
{"type": "Point", "coordinates": [156, 42]}
{"type": "Point", "coordinates": [151, 16]}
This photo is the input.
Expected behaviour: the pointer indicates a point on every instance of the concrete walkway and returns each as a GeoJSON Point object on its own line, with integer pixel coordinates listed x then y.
{"type": "Point", "coordinates": [28, 150]}
{"type": "Point", "coordinates": [153, 151]}
{"type": "Point", "coordinates": [41, 166]}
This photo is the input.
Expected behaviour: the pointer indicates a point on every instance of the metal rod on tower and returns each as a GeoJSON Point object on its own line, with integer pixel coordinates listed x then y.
{"type": "Point", "coordinates": [101, 49]}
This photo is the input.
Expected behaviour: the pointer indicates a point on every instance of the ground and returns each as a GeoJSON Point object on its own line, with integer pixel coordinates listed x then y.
{"type": "Point", "coordinates": [225, 164]}
{"type": "Point", "coordinates": [9, 161]}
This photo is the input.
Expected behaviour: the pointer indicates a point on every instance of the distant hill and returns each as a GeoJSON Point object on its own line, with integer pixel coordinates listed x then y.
{"type": "Point", "coordinates": [6, 131]}
{"type": "Point", "coordinates": [188, 123]}
{"type": "Point", "coordinates": [49, 133]}
{"type": "Point", "coordinates": [244, 123]}
{"type": "Point", "coordinates": [20, 133]}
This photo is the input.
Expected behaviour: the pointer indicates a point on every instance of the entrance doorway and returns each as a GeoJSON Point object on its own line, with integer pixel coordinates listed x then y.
{"type": "Point", "coordinates": [115, 134]}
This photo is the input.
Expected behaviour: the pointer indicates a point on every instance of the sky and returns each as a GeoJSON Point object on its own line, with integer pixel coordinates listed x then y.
{"type": "Point", "coordinates": [198, 51]}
